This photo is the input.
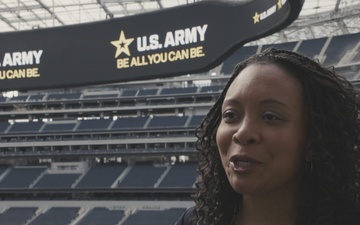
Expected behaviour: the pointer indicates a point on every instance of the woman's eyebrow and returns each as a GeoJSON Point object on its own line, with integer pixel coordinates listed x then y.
{"type": "Point", "coordinates": [274, 102]}
{"type": "Point", "coordinates": [231, 101]}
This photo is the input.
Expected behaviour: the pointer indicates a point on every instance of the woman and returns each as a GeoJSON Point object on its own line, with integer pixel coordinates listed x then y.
{"type": "Point", "coordinates": [279, 147]}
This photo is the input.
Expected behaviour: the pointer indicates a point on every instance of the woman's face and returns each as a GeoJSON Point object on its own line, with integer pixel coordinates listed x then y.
{"type": "Point", "coordinates": [261, 136]}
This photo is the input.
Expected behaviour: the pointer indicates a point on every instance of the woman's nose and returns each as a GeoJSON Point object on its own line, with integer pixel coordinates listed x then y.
{"type": "Point", "coordinates": [246, 133]}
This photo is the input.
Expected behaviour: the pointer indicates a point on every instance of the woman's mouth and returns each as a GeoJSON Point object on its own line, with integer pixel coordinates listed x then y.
{"type": "Point", "coordinates": [243, 164]}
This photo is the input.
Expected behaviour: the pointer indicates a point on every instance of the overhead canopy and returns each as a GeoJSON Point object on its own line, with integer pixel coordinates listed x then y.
{"type": "Point", "coordinates": [175, 41]}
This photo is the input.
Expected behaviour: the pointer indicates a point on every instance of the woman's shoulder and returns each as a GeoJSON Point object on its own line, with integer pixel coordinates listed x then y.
{"type": "Point", "coordinates": [187, 217]}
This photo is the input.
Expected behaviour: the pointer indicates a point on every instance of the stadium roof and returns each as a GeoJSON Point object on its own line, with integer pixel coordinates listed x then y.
{"type": "Point", "coordinates": [318, 17]}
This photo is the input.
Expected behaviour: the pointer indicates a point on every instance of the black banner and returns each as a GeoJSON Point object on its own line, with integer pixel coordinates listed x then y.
{"type": "Point", "coordinates": [176, 41]}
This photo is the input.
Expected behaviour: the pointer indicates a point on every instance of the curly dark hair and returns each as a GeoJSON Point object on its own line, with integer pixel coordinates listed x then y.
{"type": "Point", "coordinates": [330, 194]}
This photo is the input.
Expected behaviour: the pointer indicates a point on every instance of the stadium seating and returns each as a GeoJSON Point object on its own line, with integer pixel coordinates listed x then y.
{"type": "Point", "coordinates": [3, 126]}
{"type": "Point", "coordinates": [162, 101]}
{"type": "Point", "coordinates": [95, 178]}
{"type": "Point", "coordinates": [339, 47]}
{"type": "Point", "coordinates": [139, 175]}
{"type": "Point", "coordinates": [175, 91]}
{"type": "Point", "coordinates": [129, 123]}
{"type": "Point", "coordinates": [3, 168]}
{"type": "Point", "coordinates": [196, 120]}
{"type": "Point", "coordinates": [129, 93]}
{"type": "Point", "coordinates": [21, 177]}
{"type": "Point", "coordinates": [312, 48]}
{"type": "Point", "coordinates": [98, 215]}
{"type": "Point", "coordinates": [36, 97]}
{"type": "Point", "coordinates": [19, 98]}
{"type": "Point", "coordinates": [28, 127]}
{"type": "Point", "coordinates": [94, 125]}
{"type": "Point", "coordinates": [167, 121]}
{"type": "Point", "coordinates": [154, 217]}
{"type": "Point", "coordinates": [180, 175]}
{"type": "Point", "coordinates": [238, 56]}
{"type": "Point", "coordinates": [56, 216]}
{"type": "Point", "coordinates": [102, 96]}
{"type": "Point", "coordinates": [63, 96]}
{"type": "Point", "coordinates": [147, 92]}
{"type": "Point", "coordinates": [17, 215]}
{"type": "Point", "coordinates": [56, 181]}
{"type": "Point", "coordinates": [59, 127]}
{"type": "Point", "coordinates": [103, 216]}
{"type": "Point", "coordinates": [142, 175]}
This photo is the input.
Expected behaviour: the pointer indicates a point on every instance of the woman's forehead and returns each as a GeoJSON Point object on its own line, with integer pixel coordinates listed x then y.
{"type": "Point", "coordinates": [266, 79]}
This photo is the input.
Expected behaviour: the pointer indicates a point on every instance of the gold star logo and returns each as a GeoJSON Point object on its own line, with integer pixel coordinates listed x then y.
{"type": "Point", "coordinates": [122, 45]}
{"type": "Point", "coordinates": [256, 18]}
{"type": "Point", "coordinates": [279, 3]}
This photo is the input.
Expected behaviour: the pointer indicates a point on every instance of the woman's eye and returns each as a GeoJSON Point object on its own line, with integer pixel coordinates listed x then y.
{"type": "Point", "coordinates": [270, 116]}
{"type": "Point", "coordinates": [229, 115]}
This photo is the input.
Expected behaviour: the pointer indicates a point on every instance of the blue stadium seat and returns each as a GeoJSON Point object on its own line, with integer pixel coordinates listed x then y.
{"type": "Point", "coordinates": [29, 127]}
{"type": "Point", "coordinates": [102, 216]}
{"type": "Point", "coordinates": [238, 56]}
{"type": "Point", "coordinates": [162, 101]}
{"type": "Point", "coordinates": [181, 175]}
{"type": "Point", "coordinates": [93, 125]}
{"type": "Point", "coordinates": [95, 178]}
{"type": "Point", "coordinates": [3, 168]}
{"type": "Point", "coordinates": [154, 217]}
{"type": "Point", "coordinates": [168, 121]}
{"type": "Point", "coordinates": [66, 96]}
{"type": "Point", "coordinates": [147, 92]}
{"type": "Point", "coordinates": [101, 96]}
{"type": "Point", "coordinates": [3, 126]}
{"type": "Point", "coordinates": [21, 98]}
{"type": "Point", "coordinates": [59, 127]}
{"type": "Point", "coordinates": [21, 177]}
{"type": "Point", "coordinates": [56, 181]}
{"type": "Point", "coordinates": [129, 93]}
{"type": "Point", "coordinates": [196, 120]}
{"type": "Point", "coordinates": [37, 98]}
{"type": "Point", "coordinates": [129, 123]}
{"type": "Point", "coordinates": [339, 46]}
{"type": "Point", "coordinates": [56, 216]}
{"type": "Point", "coordinates": [142, 175]}
{"type": "Point", "coordinates": [175, 91]}
{"type": "Point", "coordinates": [17, 215]}
{"type": "Point", "coordinates": [311, 48]}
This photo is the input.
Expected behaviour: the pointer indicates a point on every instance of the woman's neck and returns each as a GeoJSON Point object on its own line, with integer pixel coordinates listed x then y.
{"type": "Point", "coordinates": [267, 209]}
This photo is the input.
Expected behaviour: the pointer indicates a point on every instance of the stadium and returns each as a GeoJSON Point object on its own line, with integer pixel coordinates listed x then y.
{"type": "Point", "coordinates": [122, 153]}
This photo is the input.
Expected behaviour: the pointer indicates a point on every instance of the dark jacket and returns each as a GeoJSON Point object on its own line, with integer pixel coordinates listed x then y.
{"type": "Point", "coordinates": [186, 218]}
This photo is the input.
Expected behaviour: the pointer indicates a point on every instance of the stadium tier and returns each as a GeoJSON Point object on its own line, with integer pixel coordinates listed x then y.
{"type": "Point", "coordinates": [154, 217]}
{"type": "Point", "coordinates": [94, 177]}
{"type": "Point", "coordinates": [101, 216]}
{"type": "Point", "coordinates": [139, 175]}
{"type": "Point", "coordinates": [338, 51]}
{"type": "Point", "coordinates": [17, 215]}
{"type": "Point", "coordinates": [20, 177]}
{"type": "Point", "coordinates": [82, 214]}
{"type": "Point", "coordinates": [57, 216]}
